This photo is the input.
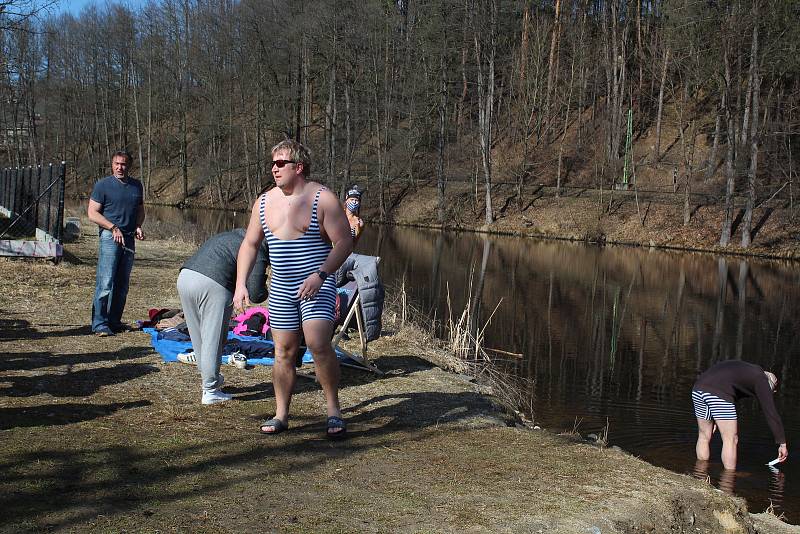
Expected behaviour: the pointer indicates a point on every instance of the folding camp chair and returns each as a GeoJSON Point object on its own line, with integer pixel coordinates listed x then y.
{"type": "Point", "coordinates": [353, 312]}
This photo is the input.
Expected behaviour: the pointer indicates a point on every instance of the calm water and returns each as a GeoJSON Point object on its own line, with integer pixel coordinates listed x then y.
{"type": "Point", "coordinates": [606, 336]}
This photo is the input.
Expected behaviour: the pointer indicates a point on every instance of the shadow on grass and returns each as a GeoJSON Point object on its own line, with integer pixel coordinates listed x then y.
{"type": "Point", "coordinates": [73, 383]}
{"type": "Point", "coordinates": [27, 361]}
{"type": "Point", "coordinates": [60, 414]}
{"type": "Point", "coordinates": [392, 366]}
{"type": "Point", "coordinates": [18, 329]}
{"type": "Point", "coordinates": [66, 486]}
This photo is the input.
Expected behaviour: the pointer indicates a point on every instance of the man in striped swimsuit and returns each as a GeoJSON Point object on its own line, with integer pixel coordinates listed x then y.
{"type": "Point", "coordinates": [308, 238]}
{"type": "Point", "coordinates": [714, 396]}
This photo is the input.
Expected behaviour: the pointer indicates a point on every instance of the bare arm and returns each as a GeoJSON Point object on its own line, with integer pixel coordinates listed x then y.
{"type": "Point", "coordinates": [246, 258]}
{"type": "Point", "coordinates": [95, 213]}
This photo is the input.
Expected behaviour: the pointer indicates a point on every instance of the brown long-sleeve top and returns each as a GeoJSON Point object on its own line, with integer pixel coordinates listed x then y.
{"type": "Point", "coordinates": [733, 380]}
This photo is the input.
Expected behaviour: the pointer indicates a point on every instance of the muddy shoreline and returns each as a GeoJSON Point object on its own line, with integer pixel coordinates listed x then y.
{"type": "Point", "coordinates": [100, 435]}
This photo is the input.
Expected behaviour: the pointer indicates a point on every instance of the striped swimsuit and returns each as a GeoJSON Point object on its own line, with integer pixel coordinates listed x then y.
{"type": "Point", "coordinates": [293, 260]}
{"type": "Point", "coordinates": [708, 407]}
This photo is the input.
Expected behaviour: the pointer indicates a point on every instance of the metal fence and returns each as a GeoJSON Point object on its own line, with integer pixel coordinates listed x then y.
{"type": "Point", "coordinates": [33, 197]}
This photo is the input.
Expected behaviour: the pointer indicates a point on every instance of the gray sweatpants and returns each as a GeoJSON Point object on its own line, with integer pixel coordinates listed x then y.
{"type": "Point", "coordinates": [207, 308]}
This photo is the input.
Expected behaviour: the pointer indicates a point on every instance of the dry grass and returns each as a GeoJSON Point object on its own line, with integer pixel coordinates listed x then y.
{"type": "Point", "coordinates": [100, 436]}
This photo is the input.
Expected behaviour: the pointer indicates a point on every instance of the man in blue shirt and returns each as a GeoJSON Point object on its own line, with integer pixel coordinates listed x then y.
{"type": "Point", "coordinates": [117, 208]}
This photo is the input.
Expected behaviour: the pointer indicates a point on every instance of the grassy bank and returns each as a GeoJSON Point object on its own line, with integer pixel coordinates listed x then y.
{"type": "Point", "coordinates": [99, 435]}
{"type": "Point", "coordinates": [588, 214]}
{"type": "Point", "coordinates": [605, 217]}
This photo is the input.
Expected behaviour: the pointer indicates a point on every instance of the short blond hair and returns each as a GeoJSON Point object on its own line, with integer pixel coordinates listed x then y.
{"type": "Point", "coordinates": [297, 153]}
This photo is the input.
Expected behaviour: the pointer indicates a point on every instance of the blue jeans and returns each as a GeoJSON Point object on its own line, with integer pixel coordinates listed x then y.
{"type": "Point", "coordinates": [114, 265]}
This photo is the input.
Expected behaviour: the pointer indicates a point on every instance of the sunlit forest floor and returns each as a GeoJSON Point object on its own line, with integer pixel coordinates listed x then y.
{"type": "Point", "coordinates": [99, 435]}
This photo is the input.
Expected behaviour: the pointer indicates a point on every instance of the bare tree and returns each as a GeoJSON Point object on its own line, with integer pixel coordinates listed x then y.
{"type": "Point", "coordinates": [485, 50]}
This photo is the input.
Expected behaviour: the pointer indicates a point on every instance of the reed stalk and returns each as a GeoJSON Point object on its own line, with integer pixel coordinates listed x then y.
{"type": "Point", "coordinates": [461, 349]}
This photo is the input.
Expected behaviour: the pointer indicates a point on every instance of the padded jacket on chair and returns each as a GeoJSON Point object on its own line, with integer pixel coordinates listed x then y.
{"type": "Point", "coordinates": [364, 270]}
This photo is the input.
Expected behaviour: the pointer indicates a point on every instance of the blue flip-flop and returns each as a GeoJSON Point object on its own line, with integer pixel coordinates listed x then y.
{"type": "Point", "coordinates": [333, 424]}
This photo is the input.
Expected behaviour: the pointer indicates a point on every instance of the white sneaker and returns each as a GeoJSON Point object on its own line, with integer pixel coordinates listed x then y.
{"type": "Point", "coordinates": [187, 357]}
{"type": "Point", "coordinates": [238, 359]}
{"type": "Point", "coordinates": [214, 396]}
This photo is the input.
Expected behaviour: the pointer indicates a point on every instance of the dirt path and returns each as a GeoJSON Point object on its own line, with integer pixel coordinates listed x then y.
{"type": "Point", "coordinates": [99, 435]}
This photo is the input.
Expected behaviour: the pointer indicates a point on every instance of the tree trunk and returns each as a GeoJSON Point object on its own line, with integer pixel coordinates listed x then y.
{"type": "Point", "coordinates": [440, 142]}
{"type": "Point", "coordinates": [147, 183]}
{"type": "Point", "coordinates": [730, 157]}
{"type": "Point", "coordinates": [639, 46]}
{"type": "Point", "coordinates": [248, 180]}
{"type": "Point", "coordinates": [486, 104]}
{"type": "Point", "coordinates": [566, 123]}
{"type": "Point", "coordinates": [138, 126]}
{"type": "Point", "coordinates": [687, 151]}
{"type": "Point", "coordinates": [711, 162]}
{"type": "Point", "coordinates": [523, 47]}
{"type": "Point", "coordinates": [330, 125]}
{"type": "Point", "coordinates": [755, 82]}
{"type": "Point", "coordinates": [182, 96]}
{"type": "Point", "coordinates": [348, 140]}
{"type": "Point", "coordinates": [664, 68]}
{"type": "Point", "coordinates": [298, 105]}
{"type": "Point", "coordinates": [552, 62]}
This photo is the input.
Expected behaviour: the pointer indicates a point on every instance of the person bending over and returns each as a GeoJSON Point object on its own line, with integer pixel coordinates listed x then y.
{"type": "Point", "coordinates": [308, 238]}
{"type": "Point", "coordinates": [714, 396]}
{"type": "Point", "coordinates": [206, 284]}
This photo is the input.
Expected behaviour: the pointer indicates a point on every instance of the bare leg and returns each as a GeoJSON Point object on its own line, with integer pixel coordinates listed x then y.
{"type": "Point", "coordinates": [283, 372]}
{"type": "Point", "coordinates": [318, 335]}
{"type": "Point", "coordinates": [705, 429]}
{"type": "Point", "coordinates": [729, 430]}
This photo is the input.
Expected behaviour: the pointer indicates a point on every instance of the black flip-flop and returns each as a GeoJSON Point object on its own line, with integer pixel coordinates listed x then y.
{"type": "Point", "coordinates": [277, 425]}
{"type": "Point", "coordinates": [334, 423]}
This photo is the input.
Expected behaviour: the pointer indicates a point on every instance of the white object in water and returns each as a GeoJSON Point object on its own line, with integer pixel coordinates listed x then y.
{"type": "Point", "coordinates": [773, 462]}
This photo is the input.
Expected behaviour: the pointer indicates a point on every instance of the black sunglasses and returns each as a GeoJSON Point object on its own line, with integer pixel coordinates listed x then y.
{"type": "Point", "coordinates": [281, 162]}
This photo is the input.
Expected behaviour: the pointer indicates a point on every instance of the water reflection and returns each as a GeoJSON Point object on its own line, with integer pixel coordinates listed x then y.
{"type": "Point", "coordinates": [725, 480]}
{"type": "Point", "coordinates": [776, 489]}
{"type": "Point", "coordinates": [616, 333]}
{"type": "Point", "coordinates": [192, 224]}
{"type": "Point", "coordinates": [605, 334]}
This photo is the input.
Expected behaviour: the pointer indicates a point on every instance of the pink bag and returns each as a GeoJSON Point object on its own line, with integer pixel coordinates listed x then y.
{"type": "Point", "coordinates": [252, 322]}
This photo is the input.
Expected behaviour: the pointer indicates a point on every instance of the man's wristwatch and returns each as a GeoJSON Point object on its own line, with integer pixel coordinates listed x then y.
{"type": "Point", "coordinates": [322, 274]}
{"type": "Point", "coordinates": [113, 227]}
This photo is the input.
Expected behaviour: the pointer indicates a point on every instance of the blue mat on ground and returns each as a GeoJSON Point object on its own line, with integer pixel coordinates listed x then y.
{"type": "Point", "coordinates": [169, 344]}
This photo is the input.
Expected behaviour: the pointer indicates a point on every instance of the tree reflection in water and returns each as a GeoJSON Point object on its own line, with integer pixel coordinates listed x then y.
{"type": "Point", "coordinates": [618, 333]}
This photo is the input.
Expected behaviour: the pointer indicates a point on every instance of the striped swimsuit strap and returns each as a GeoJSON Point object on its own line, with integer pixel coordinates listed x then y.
{"type": "Point", "coordinates": [297, 257]}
